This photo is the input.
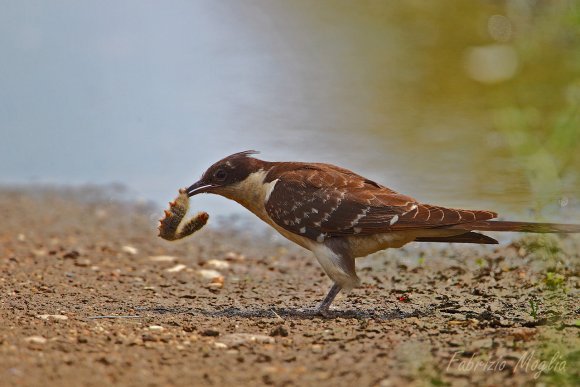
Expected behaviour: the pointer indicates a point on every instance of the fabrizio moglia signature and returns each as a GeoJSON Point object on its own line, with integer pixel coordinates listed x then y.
{"type": "Point", "coordinates": [527, 363]}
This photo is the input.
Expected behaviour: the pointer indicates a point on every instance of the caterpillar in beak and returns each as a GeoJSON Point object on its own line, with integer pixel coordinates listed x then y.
{"type": "Point", "coordinates": [169, 226]}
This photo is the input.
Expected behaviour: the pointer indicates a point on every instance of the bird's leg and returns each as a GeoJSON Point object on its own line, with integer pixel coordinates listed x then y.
{"type": "Point", "coordinates": [325, 304]}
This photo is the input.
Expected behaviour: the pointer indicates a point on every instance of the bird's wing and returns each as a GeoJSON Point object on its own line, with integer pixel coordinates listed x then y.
{"type": "Point", "coordinates": [319, 203]}
{"type": "Point", "coordinates": [429, 216]}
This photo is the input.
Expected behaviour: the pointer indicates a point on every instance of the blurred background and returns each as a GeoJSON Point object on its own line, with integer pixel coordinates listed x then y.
{"type": "Point", "coordinates": [463, 103]}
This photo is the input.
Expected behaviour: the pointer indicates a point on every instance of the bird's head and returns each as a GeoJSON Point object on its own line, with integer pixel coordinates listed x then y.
{"type": "Point", "coordinates": [224, 175]}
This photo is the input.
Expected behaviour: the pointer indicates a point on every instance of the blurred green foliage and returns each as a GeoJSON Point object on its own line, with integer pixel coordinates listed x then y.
{"type": "Point", "coordinates": [488, 91]}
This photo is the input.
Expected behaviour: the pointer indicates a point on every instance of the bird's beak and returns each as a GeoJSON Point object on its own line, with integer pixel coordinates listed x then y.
{"type": "Point", "coordinates": [199, 187]}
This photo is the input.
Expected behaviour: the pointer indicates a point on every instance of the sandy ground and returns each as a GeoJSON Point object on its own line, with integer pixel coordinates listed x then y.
{"type": "Point", "coordinates": [90, 296]}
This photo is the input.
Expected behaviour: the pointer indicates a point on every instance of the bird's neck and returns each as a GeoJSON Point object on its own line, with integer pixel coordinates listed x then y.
{"type": "Point", "coordinates": [252, 192]}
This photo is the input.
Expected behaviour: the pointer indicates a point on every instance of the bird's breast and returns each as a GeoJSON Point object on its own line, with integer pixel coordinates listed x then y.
{"type": "Point", "coordinates": [253, 193]}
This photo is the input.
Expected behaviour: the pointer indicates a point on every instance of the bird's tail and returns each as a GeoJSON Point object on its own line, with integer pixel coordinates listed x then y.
{"type": "Point", "coordinates": [499, 225]}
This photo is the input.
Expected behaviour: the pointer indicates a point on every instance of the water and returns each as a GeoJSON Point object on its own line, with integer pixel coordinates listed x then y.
{"type": "Point", "coordinates": [471, 104]}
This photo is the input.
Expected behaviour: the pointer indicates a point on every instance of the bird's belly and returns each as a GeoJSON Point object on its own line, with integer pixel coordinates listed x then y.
{"type": "Point", "coordinates": [364, 245]}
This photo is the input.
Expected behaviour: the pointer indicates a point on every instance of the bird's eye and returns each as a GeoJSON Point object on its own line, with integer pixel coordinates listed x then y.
{"type": "Point", "coordinates": [220, 175]}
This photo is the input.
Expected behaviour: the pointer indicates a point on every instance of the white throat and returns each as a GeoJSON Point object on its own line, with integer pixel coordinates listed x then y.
{"type": "Point", "coordinates": [252, 193]}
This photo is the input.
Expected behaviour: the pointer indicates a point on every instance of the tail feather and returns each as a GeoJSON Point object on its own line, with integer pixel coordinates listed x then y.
{"type": "Point", "coordinates": [498, 225]}
{"type": "Point", "coordinates": [468, 237]}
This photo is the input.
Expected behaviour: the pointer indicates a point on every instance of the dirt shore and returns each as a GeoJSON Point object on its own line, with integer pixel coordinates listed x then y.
{"type": "Point", "coordinates": [91, 297]}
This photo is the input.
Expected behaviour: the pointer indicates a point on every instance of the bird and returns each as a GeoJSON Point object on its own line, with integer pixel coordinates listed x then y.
{"type": "Point", "coordinates": [340, 215]}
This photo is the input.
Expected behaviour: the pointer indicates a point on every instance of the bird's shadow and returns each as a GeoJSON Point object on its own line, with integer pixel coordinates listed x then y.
{"type": "Point", "coordinates": [288, 313]}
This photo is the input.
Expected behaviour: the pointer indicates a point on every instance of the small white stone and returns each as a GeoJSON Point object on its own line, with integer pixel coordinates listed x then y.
{"type": "Point", "coordinates": [219, 345]}
{"type": "Point", "coordinates": [162, 258]}
{"type": "Point", "coordinates": [236, 339]}
{"type": "Point", "coordinates": [36, 340]}
{"type": "Point", "coordinates": [83, 262]}
{"type": "Point", "coordinates": [21, 237]}
{"type": "Point", "coordinates": [177, 268]}
{"type": "Point", "coordinates": [155, 328]}
{"type": "Point", "coordinates": [210, 274]}
{"type": "Point", "coordinates": [130, 250]}
{"type": "Point", "coordinates": [233, 256]}
{"type": "Point", "coordinates": [52, 316]}
{"type": "Point", "coordinates": [217, 264]}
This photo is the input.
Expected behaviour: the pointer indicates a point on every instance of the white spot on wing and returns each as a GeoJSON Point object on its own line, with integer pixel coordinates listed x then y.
{"type": "Point", "coordinates": [269, 187]}
{"type": "Point", "coordinates": [303, 230]}
{"type": "Point", "coordinates": [394, 220]}
{"type": "Point", "coordinates": [320, 238]}
{"type": "Point", "coordinates": [413, 208]}
{"type": "Point", "coordinates": [359, 217]}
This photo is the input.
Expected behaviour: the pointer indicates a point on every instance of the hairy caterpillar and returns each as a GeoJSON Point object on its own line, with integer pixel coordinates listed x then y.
{"type": "Point", "coordinates": [169, 226]}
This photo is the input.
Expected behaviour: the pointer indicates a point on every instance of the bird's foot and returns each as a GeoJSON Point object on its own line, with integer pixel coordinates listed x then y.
{"type": "Point", "coordinates": [324, 307]}
{"type": "Point", "coordinates": [324, 312]}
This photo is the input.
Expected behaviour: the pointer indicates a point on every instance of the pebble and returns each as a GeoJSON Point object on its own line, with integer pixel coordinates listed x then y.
{"type": "Point", "coordinates": [36, 340]}
{"type": "Point", "coordinates": [280, 330]}
{"type": "Point", "coordinates": [216, 282]}
{"type": "Point", "coordinates": [210, 332]}
{"type": "Point", "coordinates": [235, 339]}
{"type": "Point", "coordinates": [82, 262]}
{"type": "Point", "coordinates": [130, 250]}
{"type": "Point", "coordinates": [233, 256]}
{"type": "Point", "coordinates": [73, 254]}
{"type": "Point", "coordinates": [82, 339]}
{"type": "Point", "coordinates": [148, 338]}
{"type": "Point", "coordinates": [155, 328]}
{"type": "Point", "coordinates": [220, 345]}
{"type": "Point", "coordinates": [177, 268]}
{"type": "Point", "coordinates": [52, 316]}
{"type": "Point", "coordinates": [210, 274]}
{"type": "Point", "coordinates": [162, 258]}
{"type": "Point", "coordinates": [40, 252]}
{"type": "Point", "coordinates": [217, 264]}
